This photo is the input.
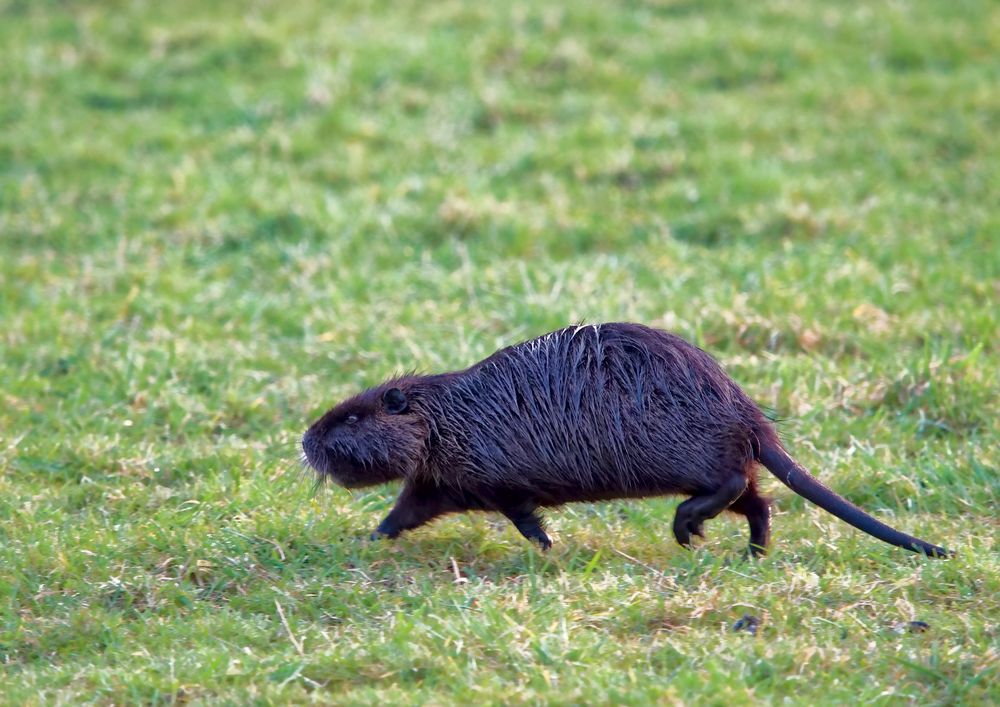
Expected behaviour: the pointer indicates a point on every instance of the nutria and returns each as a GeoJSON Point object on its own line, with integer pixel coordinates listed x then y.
{"type": "Point", "coordinates": [586, 413]}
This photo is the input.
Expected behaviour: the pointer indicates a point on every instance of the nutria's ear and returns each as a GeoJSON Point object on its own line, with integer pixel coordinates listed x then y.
{"type": "Point", "coordinates": [395, 401]}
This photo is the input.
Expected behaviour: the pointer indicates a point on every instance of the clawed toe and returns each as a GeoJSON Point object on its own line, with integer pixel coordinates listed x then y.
{"type": "Point", "coordinates": [684, 529]}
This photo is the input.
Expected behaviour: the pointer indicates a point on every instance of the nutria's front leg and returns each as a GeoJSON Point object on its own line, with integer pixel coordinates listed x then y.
{"type": "Point", "coordinates": [526, 520]}
{"type": "Point", "coordinates": [418, 503]}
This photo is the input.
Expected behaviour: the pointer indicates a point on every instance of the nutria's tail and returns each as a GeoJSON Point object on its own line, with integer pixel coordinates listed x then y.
{"type": "Point", "coordinates": [792, 475]}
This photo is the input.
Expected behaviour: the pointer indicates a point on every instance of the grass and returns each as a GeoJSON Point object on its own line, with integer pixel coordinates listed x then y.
{"type": "Point", "coordinates": [218, 219]}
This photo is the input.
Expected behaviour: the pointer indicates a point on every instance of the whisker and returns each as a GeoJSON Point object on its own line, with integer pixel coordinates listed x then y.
{"type": "Point", "coordinates": [318, 484]}
{"type": "Point", "coordinates": [304, 466]}
{"type": "Point", "coordinates": [285, 469]}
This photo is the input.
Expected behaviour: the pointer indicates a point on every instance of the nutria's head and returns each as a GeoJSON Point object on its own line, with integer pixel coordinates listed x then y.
{"type": "Point", "coordinates": [369, 439]}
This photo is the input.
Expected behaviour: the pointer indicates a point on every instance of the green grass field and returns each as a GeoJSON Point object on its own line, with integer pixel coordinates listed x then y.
{"type": "Point", "coordinates": [216, 221]}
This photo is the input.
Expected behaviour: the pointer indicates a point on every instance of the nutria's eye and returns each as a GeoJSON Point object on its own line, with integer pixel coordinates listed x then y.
{"type": "Point", "coordinates": [395, 401]}
{"type": "Point", "coordinates": [351, 419]}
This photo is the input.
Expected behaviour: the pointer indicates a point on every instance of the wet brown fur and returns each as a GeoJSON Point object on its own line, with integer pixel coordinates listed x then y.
{"type": "Point", "coordinates": [586, 413]}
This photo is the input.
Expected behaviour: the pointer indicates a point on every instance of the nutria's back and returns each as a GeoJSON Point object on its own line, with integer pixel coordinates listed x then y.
{"type": "Point", "coordinates": [589, 412]}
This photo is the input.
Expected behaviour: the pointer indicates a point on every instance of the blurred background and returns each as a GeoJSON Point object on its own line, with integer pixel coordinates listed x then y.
{"type": "Point", "coordinates": [218, 219]}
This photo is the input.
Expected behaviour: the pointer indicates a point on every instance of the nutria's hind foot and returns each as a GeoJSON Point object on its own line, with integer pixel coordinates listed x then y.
{"type": "Point", "coordinates": [692, 513]}
{"type": "Point", "coordinates": [685, 527]}
{"type": "Point", "coordinates": [757, 510]}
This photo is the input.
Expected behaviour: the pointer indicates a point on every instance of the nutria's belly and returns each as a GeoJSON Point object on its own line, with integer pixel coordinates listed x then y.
{"type": "Point", "coordinates": [562, 495]}
{"type": "Point", "coordinates": [559, 488]}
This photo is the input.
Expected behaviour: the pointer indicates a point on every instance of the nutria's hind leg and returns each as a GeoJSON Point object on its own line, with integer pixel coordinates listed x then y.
{"type": "Point", "coordinates": [697, 509]}
{"type": "Point", "coordinates": [529, 523]}
{"type": "Point", "coordinates": [757, 509]}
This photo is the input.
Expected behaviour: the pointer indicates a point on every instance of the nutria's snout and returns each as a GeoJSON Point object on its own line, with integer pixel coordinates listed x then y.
{"type": "Point", "coordinates": [312, 450]}
{"type": "Point", "coordinates": [369, 439]}
{"type": "Point", "coordinates": [330, 462]}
